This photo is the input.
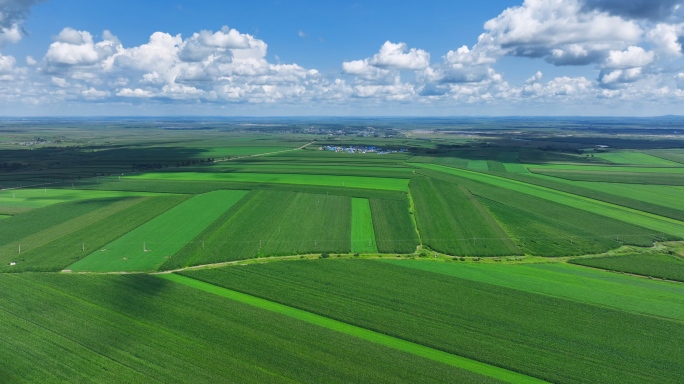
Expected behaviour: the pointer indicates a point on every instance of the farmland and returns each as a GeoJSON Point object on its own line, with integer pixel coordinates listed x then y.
{"type": "Point", "coordinates": [361, 293]}
{"type": "Point", "coordinates": [654, 265]}
{"type": "Point", "coordinates": [362, 233]}
{"type": "Point", "coordinates": [250, 253]}
{"type": "Point", "coordinates": [160, 237]}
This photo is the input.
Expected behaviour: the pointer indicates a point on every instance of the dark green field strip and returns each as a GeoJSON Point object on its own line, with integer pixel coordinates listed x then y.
{"type": "Point", "coordinates": [10, 252]}
{"type": "Point", "coordinates": [451, 220]}
{"type": "Point", "coordinates": [37, 220]}
{"type": "Point", "coordinates": [274, 223]}
{"type": "Point", "coordinates": [676, 156]}
{"type": "Point", "coordinates": [64, 251]}
{"type": "Point", "coordinates": [361, 333]}
{"type": "Point", "coordinates": [549, 338]}
{"type": "Point", "coordinates": [656, 209]}
{"type": "Point", "coordinates": [394, 230]}
{"type": "Point", "coordinates": [495, 166]}
{"type": "Point", "coordinates": [112, 329]}
{"type": "Point", "coordinates": [362, 233]}
{"type": "Point", "coordinates": [195, 187]}
{"type": "Point", "coordinates": [147, 247]}
{"type": "Point", "coordinates": [591, 286]}
{"type": "Point", "coordinates": [654, 265]}
{"type": "Point", "coordinates": [614, 177]}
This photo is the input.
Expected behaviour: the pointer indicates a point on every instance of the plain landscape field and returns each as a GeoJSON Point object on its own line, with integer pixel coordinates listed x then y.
{"type": "Point", "coordinates": [344, 254]}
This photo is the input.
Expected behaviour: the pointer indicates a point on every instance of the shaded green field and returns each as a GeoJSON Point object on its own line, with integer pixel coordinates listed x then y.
{"type": "Point", "coordinates": [451, 220]}
{"type": "Point", "coordinates": [37, 220]}
{"type": "Point", "coordinates": [323, 180]}
{"type": "Point", "coordinates": [113, 329]}
{"type": "Point", "coordinates": [150, 245]}
{"type": "Point", "coordinates": [635, 158]}
{"type": "Point", "coordinates": [627, 293]}
{"type": "Point", "coordinates": [658, 224]}
{"type": "Point", "coordinates": [35, 198]}
{"type": "Point", "coordinates": [655, 265]}
{"type": "Point", "coordinates": [33, 237]}
{"type": "Point", "coordinates": [516, 168]}
{"type": "Point", "coordinates": [365, 334]}
{"type": "Point", "coordinates": [118, 220]}
{"type": "Point", "coordinates": [394, 230]}
{"type": "Point", "coordinates": [495, 166]}
{"type": "Point", "coordinates": [195, 187]}
{"type": "Point", "coordinates": [484, 322]}
{"type": "Point", "coordinates": [676, 155]}
{"type": "Point", "coordinates": [362, 234]}
{"type": "Point", "coordinates": [273, 223]}
{"type": "Point", "coordinates": [478, 165]}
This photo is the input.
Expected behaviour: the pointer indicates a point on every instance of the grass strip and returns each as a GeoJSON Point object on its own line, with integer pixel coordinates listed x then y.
{"type": "Point", "coordinates": [365, 334]}
{"type": "Point", "coordinates": [362, 234]}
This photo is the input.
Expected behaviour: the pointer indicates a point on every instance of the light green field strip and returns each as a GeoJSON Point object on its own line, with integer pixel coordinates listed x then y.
{"type": "Point", "coordinates": [4, 217]}
{"type": "Point", "coordinates": [31, 242]}
{"type": "Point", "coordinates": [635, 158]}
{"type": "Point", "coordinates": [150, 245]}
{"type": "Point", "coordinates": [40, 197]}
{"type": "Point", "coordinates": [478, 165]}
{"type": "Point", "coordinates": [599, 168]}
{"type": "Point", "coordinates": [585, 285]}
{"type": "Point", "coordinates": [516, 168]}
{"type": "Point", "coordinates": [647, 220]}
{"type": "Point", "coordinates": [362, 233]}
{"type": "Point", "coordinates": [323, 180]}
{"type": "Point", "coordinates": [362, 333]}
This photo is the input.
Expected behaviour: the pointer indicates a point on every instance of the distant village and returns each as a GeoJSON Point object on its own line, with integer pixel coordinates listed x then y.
{"type": "Point", "coordinates": [358, 149]}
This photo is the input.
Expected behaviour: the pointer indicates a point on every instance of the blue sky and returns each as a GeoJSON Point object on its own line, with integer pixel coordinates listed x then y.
{"type": "Point", "coordinates": [533, 57]}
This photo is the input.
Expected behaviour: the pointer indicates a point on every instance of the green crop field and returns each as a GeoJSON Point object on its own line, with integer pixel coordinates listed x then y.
{"type": "Point", "coordinates": [478, 165]}
{"type": "Point", "coordinates": [323, 180]}
{"type": "Point", "coordinates": [451, 220]}
{"type": "Point", "coordinates": [81, 240]}
{"type": "Point", "coordinates": [394, 230]}
{"type": "Point", "coordinates": [22, 238]}
{"type": "Point", "coordinates": [281, 249]}
{"type": "Point", "coordinates": [629, 177]}
{"type": "Point", "coordinates": [362, 234]}
{"type": "Point", "coordinates": [481, 321]}
{"type": "Point", "coordinates": [652, 222]}
{"type": "Point", "coordinates": [626, 293]}
{"type": "Point", "coordinates": [145, 329]}
{"type": "Point", "coordinates": [150, 245]}
{"type": "Point", "coordinates": [274, 223]}
{"type": "Point", "coordinates": [654, 265]}
{"type": "Point", "coordinates": [635, 158]}
{"type": "Point", "coordinates": [36, 198]}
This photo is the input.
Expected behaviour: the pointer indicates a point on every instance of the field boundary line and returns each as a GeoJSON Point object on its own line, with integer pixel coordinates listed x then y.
{"type": "Point", "coordinates": [361, 333]}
